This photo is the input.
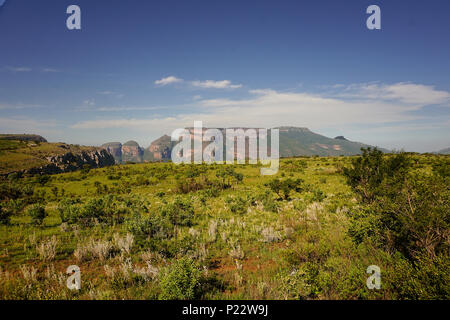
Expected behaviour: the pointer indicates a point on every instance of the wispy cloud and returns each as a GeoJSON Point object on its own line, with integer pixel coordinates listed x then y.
{"type": "Point", "coordinates": [19, 69]}
{"type": "Point", "coordinates": [89, 103]}
{"type": "Point", "coordinates": [111, 93]}
{"type": "Point", "coordinates": [28, 69]}
{"type": "Point", "coordinates": [168, 80]}
{"type": "Point", "coordinates": [50, 70]}
{"type": "Point", "coordinates": [269, 108]}
{"type": "Point", "coordinates": [206, 84]}
{"type": "Point", "coordinates": [119, 109]}
{"type": "Point", "coordinates": [223, 84]}
{"type": "Point", "coordinates": [402, 92]}
{"type": "Point", "coordinates": [17, 106]}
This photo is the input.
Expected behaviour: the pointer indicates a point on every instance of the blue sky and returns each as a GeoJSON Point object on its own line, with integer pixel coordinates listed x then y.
{"type": "Point", "coordinates": [139, 69]}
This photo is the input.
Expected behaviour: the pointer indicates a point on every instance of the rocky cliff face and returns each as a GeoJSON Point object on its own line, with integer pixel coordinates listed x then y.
{"type": "Point", "coordinates": [97, 158]}
{"type": "Point", "coordinates": [132, 152]}
{"type": "Point", "coordinates": [161, 148]}
{"type": "Point", "coordinates": [115, 148]}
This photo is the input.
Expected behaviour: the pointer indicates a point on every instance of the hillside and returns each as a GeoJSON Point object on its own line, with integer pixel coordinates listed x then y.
{"type": "Point", "coordinates": [296, 141]}
{"type": "Point", "coordinates": [48, 158]}
{"type": "Point", "coordinates": [23, 137]}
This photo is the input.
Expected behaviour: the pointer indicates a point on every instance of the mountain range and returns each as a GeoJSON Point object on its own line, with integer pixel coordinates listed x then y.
{"type": "Point", "coordinates": [294, 141]}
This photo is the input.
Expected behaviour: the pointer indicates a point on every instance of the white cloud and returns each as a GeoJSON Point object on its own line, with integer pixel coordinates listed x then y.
{"type": "Point", "coordinates": [50, 70]}
{"type": "Point", "coordinates": [111, 93]}
{"type": "Point", "coordinates": [224, 84]}
{"type": "Point", "coordinates": [89, 103]}
{"type": "Point", "coordinates": [402, 92]}
{"type": "Point", "coordinates": [269, 108]}
{"type": "Point", "coordinates": [119, 109]}
{"type": "Point", "coordinates": [19, 69]}
{"type": "Point", "coordinates": [168, 80]}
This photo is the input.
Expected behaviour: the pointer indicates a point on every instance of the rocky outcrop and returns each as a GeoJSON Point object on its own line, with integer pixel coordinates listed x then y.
{"type": "Point", "coordinates": [115, 148]}
{"type": "Point", "coordinates": [128, 152]}
{"type": "Point", "coordinates": [68, 162]}
{"type": "Point", "coordinates": [161, 148]}
{"type": "Point", "coordinates": [132, 152]}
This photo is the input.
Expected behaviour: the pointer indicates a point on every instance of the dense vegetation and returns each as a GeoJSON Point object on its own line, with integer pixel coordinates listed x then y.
{"type": "Point", "coordinates": [161, 231]}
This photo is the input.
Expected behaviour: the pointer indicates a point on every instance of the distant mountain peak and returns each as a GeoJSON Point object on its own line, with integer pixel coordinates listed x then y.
{"type": "Point", "coordinates": [294, 141]}
{"type": "Point", "coordinates": [131, 143]}
{"type": "Point", "coordinates": [444, 151]}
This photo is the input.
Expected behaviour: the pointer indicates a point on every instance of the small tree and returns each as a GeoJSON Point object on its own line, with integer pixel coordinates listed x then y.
{"type": "Point", "coordinates": [37, 213]}
{"type": "Point", "coordinates": [369, 171]}
{"type": "Point", "coordinates": [5, 214]}
{"type": "Point", "coordinates": [181, 281]}
{"type": "Point", "coordinates": [283, 188]}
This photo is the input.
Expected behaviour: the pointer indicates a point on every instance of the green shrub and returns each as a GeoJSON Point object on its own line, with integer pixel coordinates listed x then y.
{"type": "Point", "coordinates": [181, 281]}
{"type": "Point", "coordinates": [369, 171]}
{"type": "Point", "coordinates": [69, 211]}
{"type": "Point", "coordinates": [42, 179]}
{"type": "Point", "coordinates": [424, 279]}
{"type": "Point", "coordinates": [37, 213]}
{"type": "Point", "coordinates": [228, 175]}
{"type": "Point", "coordinates": [153, 226]}
{"type": "Point", "coordinates": [268, 202]}
{"type": "Point", "coordinates": [283, 188]}
{"type": "Point", "coordinates": [318, 195]}
{"type": "Point", "coordinates": [237, 204]}
{"type": "Point", "coordinates": [442, 167]}
{"type": "Point", "coordinates": [180, 212]}
{"type": "Point", "coordinates": [5, 214]}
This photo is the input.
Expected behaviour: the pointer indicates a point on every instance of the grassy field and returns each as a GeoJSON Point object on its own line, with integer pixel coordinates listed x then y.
{"type": "Point", "coordinates": [161, 231]}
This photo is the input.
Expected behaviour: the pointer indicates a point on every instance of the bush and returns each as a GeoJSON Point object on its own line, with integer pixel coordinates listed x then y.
{"type": "Point", "coordinates": [283, 188]}
{"type": "Point", "coordinates": [37, 213]}
{"type": "Point", "coordinates": [13, 191]}
{"type": "Point", "coordinates": [5, 214]}
{"type": "Point", "coordinates": [237, 204]}
{"type": "Point", "coordinates": [153, 226]}
{"type": "Point", "coordinates": [181, 281]}
{"type": "Point", "coordinates": [42, 180]}
{"type": "Point", "coordinates": [369, 171]}
{"type": "Point", "coordinates": [424, 279]}
{"type": "Point", "coordinates": [180, 212]}
{"type": "Point", "coordinates": [318, 195]}
{"type": "Point", "coordinates": [227, 174]}
{"type": "Point", "coordinates": [68, 210]}
{"type": "Point", "coordinates": [442, 167]}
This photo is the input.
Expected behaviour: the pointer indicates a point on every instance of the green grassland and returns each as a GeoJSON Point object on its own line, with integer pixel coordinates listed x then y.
{"type": "Point", "coordinates": [165, 231]}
